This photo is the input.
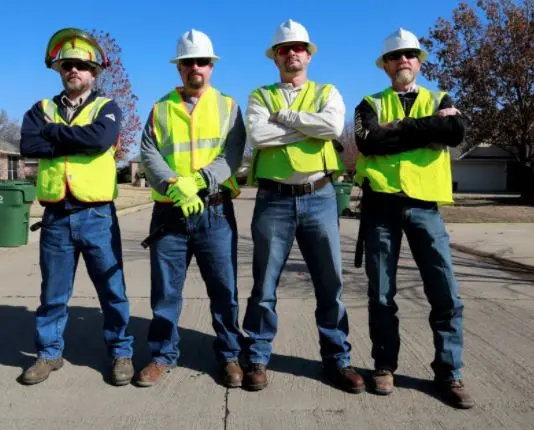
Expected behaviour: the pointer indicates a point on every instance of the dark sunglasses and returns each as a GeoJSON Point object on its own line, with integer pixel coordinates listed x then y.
{"type": "Point", "coordinates": [296, 48]}
{"type": "Point", "coordinates": [200, 62]}
{"type": "Point", "coordinates": [67, 66]}
{"type": "Point", "coordinates": [396, 56]}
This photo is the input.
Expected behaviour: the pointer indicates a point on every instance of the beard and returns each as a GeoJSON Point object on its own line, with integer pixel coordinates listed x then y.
{"type": "Point", "coordinates": [75, 85]}
{"type": "Point", "coordinates": [292, 65]}
{"type": "Point", "coordinates": [404, 77]}
{"type": "Point", "coordinates": [195, 81]}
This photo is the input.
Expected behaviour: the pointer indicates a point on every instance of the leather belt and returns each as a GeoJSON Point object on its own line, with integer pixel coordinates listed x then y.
{"type": "Point", "coordinates": [218, 198]}
{"type": "Point", "coordinates": [294, 190]}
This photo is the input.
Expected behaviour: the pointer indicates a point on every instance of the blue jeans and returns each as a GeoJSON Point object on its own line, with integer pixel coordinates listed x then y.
{"type": "Point", "coordinates": [311, 219]}
{"type": "Point", "coordinates": [385, 221]}
{"type": "Point", "coordinates": [94, 233]}
{"type": "Point", "coordinates": [212, 238]}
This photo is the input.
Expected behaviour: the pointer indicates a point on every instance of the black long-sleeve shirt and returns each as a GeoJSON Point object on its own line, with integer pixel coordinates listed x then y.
{"type": "Point", "coordinates": [410, 133]}
{"type": "Point", "coordinates": [49, 140]}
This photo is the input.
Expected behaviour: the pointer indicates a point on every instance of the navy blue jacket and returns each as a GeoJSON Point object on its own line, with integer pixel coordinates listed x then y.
{"type": "Point", "coordinates": [42, 140]}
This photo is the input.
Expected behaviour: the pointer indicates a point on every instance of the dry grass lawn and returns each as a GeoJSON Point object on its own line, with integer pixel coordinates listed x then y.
{"type": "Point", "coordinates": [479, 209]}
{"type": "Point", "coordinates": [488, 209]}
{"type": "Point", "coordinates": [128, 196]}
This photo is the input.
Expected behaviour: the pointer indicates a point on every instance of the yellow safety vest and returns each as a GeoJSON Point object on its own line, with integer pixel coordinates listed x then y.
{"type": "Point", "coordinates": [90, 178]}
{"type": "Point", "coordinates": [309, 155]}
{"type": "Point", "coordinates": [424, 173]}
{"type": "Point", "coordinates": [189, 142]}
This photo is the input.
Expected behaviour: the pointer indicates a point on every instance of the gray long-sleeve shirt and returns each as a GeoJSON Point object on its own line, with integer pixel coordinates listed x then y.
{"type": "Point", "coordinates": [289, 126]}
{"type": "Point", "coordinates": [220, 169]}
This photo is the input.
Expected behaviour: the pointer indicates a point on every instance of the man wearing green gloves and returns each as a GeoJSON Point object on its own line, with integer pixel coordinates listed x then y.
{"type": "Point", "coordinates": [192, 144]}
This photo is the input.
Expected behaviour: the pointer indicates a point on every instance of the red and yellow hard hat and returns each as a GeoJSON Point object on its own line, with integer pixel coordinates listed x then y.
{"type": "Point", "coordinates": [75, 44]}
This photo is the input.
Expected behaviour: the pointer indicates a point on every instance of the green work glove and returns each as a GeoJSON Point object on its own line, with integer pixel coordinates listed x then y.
{"type": "Point", "coordinates": [189, 186]}
{"type": "Point", "coordinates": [192, 206]}
{"type": "Point", "coordinates": [185, 187]}
{"type": "Point", "coordinates": [174, 193]}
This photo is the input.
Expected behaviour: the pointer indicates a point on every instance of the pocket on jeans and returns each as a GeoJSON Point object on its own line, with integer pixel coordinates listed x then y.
{"type": "Point", "coordinates": [103, 211]}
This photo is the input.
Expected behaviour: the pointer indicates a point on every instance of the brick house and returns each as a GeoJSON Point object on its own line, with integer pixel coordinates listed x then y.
{"type": "Point", "coordinates": [11, 162]}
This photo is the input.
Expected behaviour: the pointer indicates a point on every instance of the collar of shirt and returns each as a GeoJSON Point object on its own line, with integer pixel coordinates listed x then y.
{"type": "Point", "coordinates": [289, 86]}
{"type": "Point", "coordinates": [73, 104]}
{"type": "Point", "coordinates": [413, 89]}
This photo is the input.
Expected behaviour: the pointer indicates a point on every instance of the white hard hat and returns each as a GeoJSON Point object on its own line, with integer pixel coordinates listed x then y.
{"type": "Point", "coordinates": [290, 31]}
{"type": "Point", "coordinates": [400, 40]}
{"type": "Point", "coordinates": [194, 44]}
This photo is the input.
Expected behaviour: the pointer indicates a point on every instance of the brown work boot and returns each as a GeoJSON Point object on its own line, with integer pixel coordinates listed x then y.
{"type": "Point", "coordinates": [152, 373]}
{"type": "Point", "coordinates": [232, 374]}
{"type": "Point", "coordinates": [40, 370]}
{"type": "Point", "coordinates": [345, 378]}
{"type": "Point", "coordinates": [122, 371]}
{"type": "Point", "coordinates": [454, 393]}
{"type": "Point", "coordinates": [383, 381]}
{"type": "Point", "coordinates": [256, 377]}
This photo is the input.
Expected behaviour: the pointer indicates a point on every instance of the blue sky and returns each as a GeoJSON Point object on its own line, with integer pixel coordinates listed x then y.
{"type": "Point", "coordinates": [349, 35]}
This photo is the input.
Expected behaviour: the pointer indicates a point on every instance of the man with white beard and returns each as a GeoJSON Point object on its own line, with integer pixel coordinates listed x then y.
{"type": "Point", "coordinates": [403, 134]}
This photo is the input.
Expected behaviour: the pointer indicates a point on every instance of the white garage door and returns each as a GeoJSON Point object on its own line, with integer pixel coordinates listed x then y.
{"type": "Point", "coordinates": [479, 175]}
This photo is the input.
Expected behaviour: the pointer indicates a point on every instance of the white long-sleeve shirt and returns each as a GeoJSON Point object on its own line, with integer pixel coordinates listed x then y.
{"type": "Point", "coordinates": [290, 126]}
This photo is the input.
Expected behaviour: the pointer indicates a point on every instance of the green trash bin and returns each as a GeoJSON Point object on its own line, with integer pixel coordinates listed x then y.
{"type": "Point", "coordinates": [343, 191]}
{"type": "Point", "coordinates": [16, 198]}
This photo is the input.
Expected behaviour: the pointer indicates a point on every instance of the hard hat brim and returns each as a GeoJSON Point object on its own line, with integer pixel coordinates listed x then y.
{"type": "Point", "coordinates": [423, 56]}
{"type": "Point", "coordinates": [176, 60]}
{"type": "Point", "coordinates": [56, 65]}
{"type": "Point", "coordinates": [312, 47]}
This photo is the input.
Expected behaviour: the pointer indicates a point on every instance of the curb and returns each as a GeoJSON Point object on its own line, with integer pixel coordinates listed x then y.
{"type": "Point", "coordinates": [132, 209]}
{"type": "Point", "coordinates": [500, 260]}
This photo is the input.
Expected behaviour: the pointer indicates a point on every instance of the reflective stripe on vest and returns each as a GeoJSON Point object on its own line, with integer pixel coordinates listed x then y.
{"type": "Point", "coordinates": [306, 156]}
{"type": "Point", "coordinates": [90, 178]}
{"type": "Point", "coordinates": [423, 173]}
{"type": "Point", "coordinates": [191, 141]}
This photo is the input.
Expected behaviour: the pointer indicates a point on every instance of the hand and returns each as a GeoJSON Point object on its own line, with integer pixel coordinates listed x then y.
{"type": "Point", "coordinates": [393, 125]}
{"type": "Point", "coordinates": [185, 187]}
{"type": "Point", "coordinates": [174, 193]}
{"type": "Point", "coordinates": [273, 117]}
{"type": "Point", "coordinates": [448, 111]}
{"type": "Point", "coordinates": [192, 206]}
{"type": "Point", "coordinates": [47, 119]}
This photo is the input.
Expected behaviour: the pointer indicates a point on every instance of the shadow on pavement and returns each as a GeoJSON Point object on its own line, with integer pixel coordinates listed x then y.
{"type": "Point", "coordinates": [84, 347]}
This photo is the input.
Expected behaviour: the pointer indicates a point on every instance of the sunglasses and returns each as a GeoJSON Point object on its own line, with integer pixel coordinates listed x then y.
{"type": "Point", "coordinates": [396, 56]}
{"type": "Point", "coordinates": [200, 62]}
{"type": "Point", "coordinates": [297, 48]}
{"type": "Point", "coordinates": [67, 66]}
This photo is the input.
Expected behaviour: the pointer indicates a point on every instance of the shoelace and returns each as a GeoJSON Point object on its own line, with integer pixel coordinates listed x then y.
{"type": "Point", "coordinates": [256, 368]}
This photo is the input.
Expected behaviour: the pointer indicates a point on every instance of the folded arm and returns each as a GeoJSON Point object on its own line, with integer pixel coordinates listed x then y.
{"type": "Point", "coordinates": [32, 143]}
{"type": "Point", "coordinates": [263, 132]}
{"type": "Point", "coordinates": [93, 138]}
{"type": "Point", "coordinates": [327, 124]}
{"type": "Point", "coordinates": [373, 138]}
{"type": "Point", "coordinates": [41, 138]}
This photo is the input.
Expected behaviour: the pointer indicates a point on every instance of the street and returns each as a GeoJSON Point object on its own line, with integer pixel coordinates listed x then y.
{"type": "Point", "coordinates": [499, 351]}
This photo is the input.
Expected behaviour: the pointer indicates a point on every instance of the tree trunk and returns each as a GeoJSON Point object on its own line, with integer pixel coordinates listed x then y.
{"type": "Point", "coordinates": [527, 184]}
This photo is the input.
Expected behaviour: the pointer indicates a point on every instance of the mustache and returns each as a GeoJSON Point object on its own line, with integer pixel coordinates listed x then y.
{"type": "Point", "coordinates": [293, 58]}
